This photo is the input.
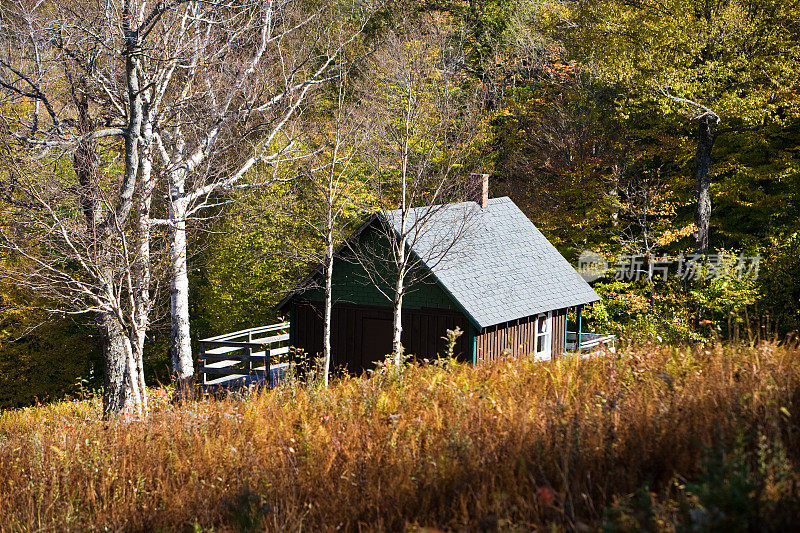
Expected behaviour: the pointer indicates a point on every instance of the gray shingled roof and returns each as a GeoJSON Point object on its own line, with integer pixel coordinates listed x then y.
{"type": "Point", "coordinates": [494, 262]}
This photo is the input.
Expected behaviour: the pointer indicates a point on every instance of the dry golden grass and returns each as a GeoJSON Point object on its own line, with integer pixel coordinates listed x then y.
{"type": "Point", "coordinates": [514, 445]}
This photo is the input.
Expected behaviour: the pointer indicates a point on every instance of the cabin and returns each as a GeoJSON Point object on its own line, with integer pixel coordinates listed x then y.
{"type": "Point", "coordinates": [480, 265]}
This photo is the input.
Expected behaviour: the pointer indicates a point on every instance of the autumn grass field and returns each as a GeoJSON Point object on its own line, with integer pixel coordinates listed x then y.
{"type": "Point", "coordinates": [653, 438]}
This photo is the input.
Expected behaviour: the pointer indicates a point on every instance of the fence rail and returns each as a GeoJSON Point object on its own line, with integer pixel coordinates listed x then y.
{"type": "Point", "coordinates": [244, 357]}
{"type": "Point", "coordinates": [590, 342]}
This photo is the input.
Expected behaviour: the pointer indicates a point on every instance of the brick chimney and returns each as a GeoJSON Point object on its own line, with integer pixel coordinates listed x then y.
{"type": "Point", "coordinates": [478, 189]}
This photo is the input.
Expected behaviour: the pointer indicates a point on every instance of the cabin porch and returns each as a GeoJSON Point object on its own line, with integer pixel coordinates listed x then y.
{"type": "Point", "coordinates": [590, 342]}
{"type": "Point", "coordinates": [582, 341]}
{"type": "Point", "coordinates": [242, 358]}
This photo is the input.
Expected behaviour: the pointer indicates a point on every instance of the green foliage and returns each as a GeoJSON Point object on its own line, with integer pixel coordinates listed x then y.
{"type": "Point", "coordinates": [250, 260]}
{"type": "Point", "coordinates": [727, 491]}
{"type": "Point", "coordinates": [743, 486]}
{"type": "Point", "coordinates": [247, 511]}
{"type": "Point", "coordinates": [757, 186]}
{"type": "Point", "coordinates": [723, 302]}
{"type": "Point", "coordinates": [736, 57]}
{"type": "Point", "coordinates": [726, 295]}
{"type": "Point", "coordinates": [548, 159]}
{"type": "Point", "coordinates": [779, 283]}
{"type": "Point", "coordinates": [44, 358]}
{"type": "Point", "coordinates": [644, 311]}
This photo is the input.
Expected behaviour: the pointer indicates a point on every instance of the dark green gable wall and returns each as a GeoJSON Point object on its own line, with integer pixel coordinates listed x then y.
{"type": "Point", "coordinates": [352, 285]}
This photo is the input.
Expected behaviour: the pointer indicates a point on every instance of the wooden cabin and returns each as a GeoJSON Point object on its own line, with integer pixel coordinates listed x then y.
{"type": "Point", "coordinates": [481, 265]}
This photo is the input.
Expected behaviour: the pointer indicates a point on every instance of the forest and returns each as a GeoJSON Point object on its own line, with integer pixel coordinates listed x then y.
{"type": "Point", "coordinates": [644, 130]}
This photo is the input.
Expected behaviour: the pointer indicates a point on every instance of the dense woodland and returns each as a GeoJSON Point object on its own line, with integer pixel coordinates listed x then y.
{"type": "Point", "coordinates": [643, 128]}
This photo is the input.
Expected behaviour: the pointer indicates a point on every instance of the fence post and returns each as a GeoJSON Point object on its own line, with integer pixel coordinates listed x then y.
{"type": "Point", "coordinates": [203, 360]}
{"type": "Point", "coordinates": [250, 353]}
{"type": "Point", "coordinates": [268, 365]}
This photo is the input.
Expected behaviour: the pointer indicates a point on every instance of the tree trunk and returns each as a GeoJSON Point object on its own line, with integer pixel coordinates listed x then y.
{"type": "Point", "coordinates": [117, 397]}
{"type": "Point", "coordinates": [705, 143]}
{"type": "Point", "coordinates": [86, 163]}
{"type": "Point", "coordinates": [142, 303]}
{"type": "Point", "coordinates": [397, 317]}
{"type": "Point", "coordinates": [133, 378]}
{"type": "Point", "coordinates": [400, 256]}
{"type": "Point", "coordinates": [182, 365]}
{"type": "Point", "coordinates": [326, 350]}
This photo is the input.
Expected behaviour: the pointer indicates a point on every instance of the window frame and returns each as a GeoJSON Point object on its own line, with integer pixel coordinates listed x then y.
{"type": "Point", "coordinates": [547, 334]}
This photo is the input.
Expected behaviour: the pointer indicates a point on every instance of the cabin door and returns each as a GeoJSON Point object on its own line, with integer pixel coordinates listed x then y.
{"type": "Point", "coordinates": [376, 341]}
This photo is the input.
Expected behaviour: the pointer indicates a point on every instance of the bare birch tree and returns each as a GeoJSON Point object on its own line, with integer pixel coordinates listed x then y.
{"type": "Point", "coordinates": [333, 187]}
{"type": "Point", "coordinates": [230, 81]}
{"type": "Point", "coordinates": [70, 74]}
{"type": "Point", "coordinates": [425, 122]}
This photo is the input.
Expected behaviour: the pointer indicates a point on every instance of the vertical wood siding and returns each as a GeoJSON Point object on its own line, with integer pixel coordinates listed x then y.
{"type": "Point", "coordinates": [307, 327]}
{"type": "Point", "coordinates": [356, 349]}
{"type": "Point", "coordinates": [518, 337]}
{"type": "Point", "coordinates": [559, 325]}
{"type": "Point", "coordinates": [424, 329]}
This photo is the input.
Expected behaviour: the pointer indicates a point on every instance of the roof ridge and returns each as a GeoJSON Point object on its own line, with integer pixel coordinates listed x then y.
{"type": "Point", "coordinates": [505, 270]}
{"type": "Point", "coordinates": [499, 268]}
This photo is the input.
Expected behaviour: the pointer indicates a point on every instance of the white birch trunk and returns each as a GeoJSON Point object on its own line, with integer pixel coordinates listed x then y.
{"type": "Point", "coordinates": [142, 304]}
{"type": "Point", "coordinates": [182, 364]}
{"type": "Point", "coordinates": [132, 377]}
{"type": "Point", "coordinates": [328, 305]}
{"type": "Point", "coordinates": [399, 288]}
{"type": "Point", "coordinates": [400, 250]}
{"type": "Point", "coordinates": [124, 376]}
{"type": "Point", "coordinates": [400, 256]}
{"type": "Point", "coordinates": [117, 397]}
{"type": "Point", "coordinates": [397, 317]}
{"type": "Point", "coordinates": [133, 374]}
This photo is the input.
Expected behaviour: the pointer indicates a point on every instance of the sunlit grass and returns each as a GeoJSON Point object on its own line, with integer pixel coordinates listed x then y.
{"type": "Point", "coordinates": [516, 444]}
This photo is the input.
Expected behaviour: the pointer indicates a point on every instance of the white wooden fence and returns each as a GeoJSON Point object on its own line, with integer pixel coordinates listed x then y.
{"type": "Point", "coordinates": [244, 357]}
{"type": "Point", "coordinates": [590, 342]}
